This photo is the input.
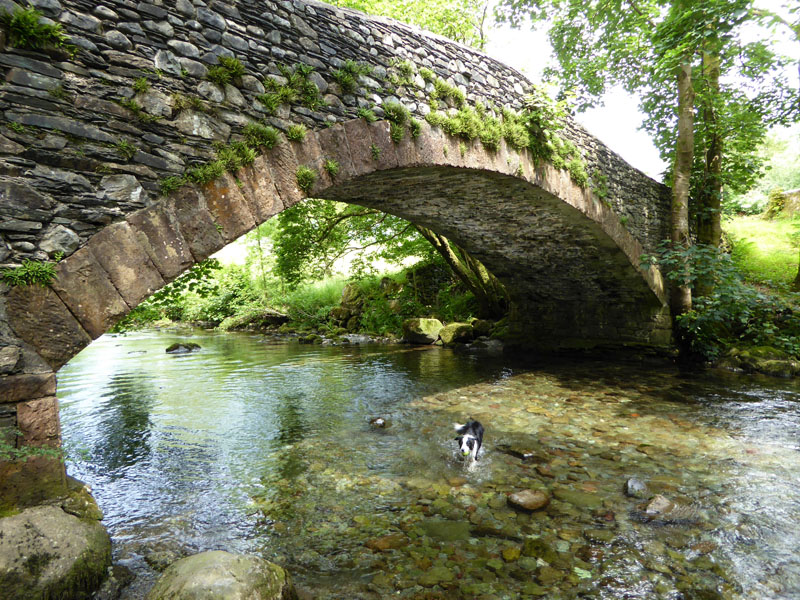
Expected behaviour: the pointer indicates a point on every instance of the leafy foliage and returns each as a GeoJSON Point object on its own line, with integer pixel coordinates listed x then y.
{"type": "Point", "coordinates": [257, 135]}
{"type": "Point", "coordinates": [25, 29]}
{"type": "Point", "coordinates": [30, 272]}
{"type": "Point", "coordinates": [228, 70]}
{"type": "Point", "coordinates": [299, 88]}
{"type": "Point", "coordinates": [366, 114]}
{"type": "Point", "coordinates": [734, 313]}
{"type": "Point", "coordinates": [296, 132]}
{"type": "Point", "coordinates": [306, 178]}
{"type": "Point", "coordinates": [347, 75]}
{"type": "Point", "coordinates": [459, 20]}
{"type": "Point", "coordinates": [168, 301]}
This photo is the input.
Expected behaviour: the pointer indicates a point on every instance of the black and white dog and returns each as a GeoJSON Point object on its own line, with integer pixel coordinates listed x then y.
{"type": "Point", "coordinates": [470, 439]}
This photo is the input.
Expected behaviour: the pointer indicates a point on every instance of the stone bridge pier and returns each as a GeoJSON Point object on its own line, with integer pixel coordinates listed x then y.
{"type": "Point", "coordinates": [89, 143]}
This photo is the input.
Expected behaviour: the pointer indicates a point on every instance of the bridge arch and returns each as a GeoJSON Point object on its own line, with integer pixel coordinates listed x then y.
{"type": "Point", "coordinates": [82, 152]}
{"type": "Point", "coordinates": [564, 256]}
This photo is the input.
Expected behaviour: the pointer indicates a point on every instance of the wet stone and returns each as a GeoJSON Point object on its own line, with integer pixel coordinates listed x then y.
{"type": "Point", "coordinates": [529, 500]}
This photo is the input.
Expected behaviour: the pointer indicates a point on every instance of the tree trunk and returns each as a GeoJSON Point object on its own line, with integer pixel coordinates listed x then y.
{"type": "Point", "coordinates": [681, 294]}
{"type": "Point", "coordinates": [709, 225]}
{"type": "Point", "coordinates": [488, 291]}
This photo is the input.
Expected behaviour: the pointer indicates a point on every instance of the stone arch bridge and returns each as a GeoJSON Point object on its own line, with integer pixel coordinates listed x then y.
{"type": "Point", "coordinates": [85, 141]}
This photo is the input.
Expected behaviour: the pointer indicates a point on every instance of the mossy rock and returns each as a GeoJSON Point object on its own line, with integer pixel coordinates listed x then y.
{"type": "Point", "coordinates": [764, 353]}
{"type": "Point", "coordinates": [219, 575]}
{"type": "Point", "coordinates": [182, 348]}
{"type": "Point", "coordinates": [421, 331]}
{"type": "Point", "coordinates": [456, 333]}
{"type": "Point", "coordinates": [482, 327]}
{"type": "Point", "coordinates": [312, 338]}
{"type": "Point", "coordinates": [47, 553]}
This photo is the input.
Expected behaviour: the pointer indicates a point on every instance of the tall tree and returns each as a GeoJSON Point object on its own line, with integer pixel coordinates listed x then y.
{"type": "Point", "coordinates": [709, 95]}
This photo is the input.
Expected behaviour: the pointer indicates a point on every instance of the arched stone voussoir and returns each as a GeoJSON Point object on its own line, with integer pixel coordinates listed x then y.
{"type": "Point", "coordinates": [39, 318]}
{"type": "Point", "coordinates": [127, 263]}
{"type": "Point", "coordinates": [87, 290]}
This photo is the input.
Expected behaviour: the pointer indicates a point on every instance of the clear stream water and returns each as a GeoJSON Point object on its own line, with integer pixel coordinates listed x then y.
{"type": "Point", "coordinates": [263, 446]}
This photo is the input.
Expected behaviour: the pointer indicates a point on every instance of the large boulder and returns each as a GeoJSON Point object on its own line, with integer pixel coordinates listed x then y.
{"type": "Point", "coordinates": [456, 333]}
{"type": "Point", "coordinates": [47, 553]}
{"type": "Point", "coordinates": [218, 575]}
{"type": "Point", "coordinates": [421, 331]}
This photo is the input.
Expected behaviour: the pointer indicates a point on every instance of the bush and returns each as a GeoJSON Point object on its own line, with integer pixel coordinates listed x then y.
{"type": "Point", "coordinates": [733, 313]}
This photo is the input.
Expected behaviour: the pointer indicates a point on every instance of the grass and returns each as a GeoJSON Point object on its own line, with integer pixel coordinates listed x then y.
{"type": "Point", "coordinates": [763, 250]}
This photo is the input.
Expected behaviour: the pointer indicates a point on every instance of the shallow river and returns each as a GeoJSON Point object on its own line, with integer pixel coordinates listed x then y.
{"type": "Point", "coordinates": [258, 446]}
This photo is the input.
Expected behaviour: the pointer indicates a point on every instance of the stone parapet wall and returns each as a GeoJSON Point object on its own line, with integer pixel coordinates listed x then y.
{"type": "Point", "coordinates": [64, 171]}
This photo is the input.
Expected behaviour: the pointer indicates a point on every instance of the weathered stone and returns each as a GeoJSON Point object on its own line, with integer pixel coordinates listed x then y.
{"type": "Point", "coordinates": [193, 67]}
{"type": "Point", "coordinates": [200, 125]}
{"type": "Point", "coordinates": [10, 147]}
{"type": "Point", "coordinates": [166, 61]}
{"type": "Point", "coordinates": [122, 188]}
{"type": "Point", "coordinates": [333, 146]}
{"type": "Point", "coordinates": [421, 331]}
{"type": "Point", "coordinates": [87, 290]}
{"type": "Point", "coordinates": [162, 240]}
{"type": "Point", "coordinates": [26, 386]}
{"type": "Point", "coordinates": [156, 103]}
{"type": "Point", "coordinates": [44, 549]}
{"type": "Point", "coordinates": [9, 359]}
{"type": "Point", "coordinates": [62, 124]}
{"type": "Point", "coordinates": [38, 316]}
{"type": "Point", "coordinates": [386, 154]}
{"type": "Point", "coordinates": [212, 19]}
{"type": "Point", "coordinates": [184, 48]}
{"type": "Point", "coordinates": [258, 189]}
{"type": "Point", "coordinates": [59, 239]}
{"type": "Point", "coordinates": [529, 500]}
{"type": "Point", "coordinates": [359, 144]}
{"type": "Point", "coordinates": [37, 421]}
{"type": "Point", "coordinates": [196, 224]}
{"type": "Point", "coordinates": [31, 79]}
{"type": "Point", "coordinates": [161, 27]}
{"type": "Point", "coordinates": [228, 207]}
{"type": "Point", "coordinates": [131, 270]}
{"type": "Point", "coordinates": [81, 21]}
{"type": "Point", "coordinates": [211, 91]}
{"type": "Point", "coordinates": [283, 166]}
{"type": "Point", "coordinates": [118, 40]}
{"type": "Point", "coordinates": [216, 574]}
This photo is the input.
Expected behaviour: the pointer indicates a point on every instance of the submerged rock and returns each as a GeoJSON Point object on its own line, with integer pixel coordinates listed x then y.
{"type": "Point", "coordinates": [529, 500]}
{"type": "Point", "coordinates": [379, 423]}
{"type": "Point", "coordinates": [215, 575]}
{"type": "Point", "coordinates": [182, 348]}
{"type": "Point", "coordinates": [48, 553]}
{"type": "Point", "coordinates": [447, 531]}
{"type": "Point", "coordinates": [387, 542]}
{"type": "Point", "coordinates": [635, 488]}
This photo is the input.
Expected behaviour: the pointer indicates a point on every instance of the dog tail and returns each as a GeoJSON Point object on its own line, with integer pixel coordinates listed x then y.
{"type": "Point", "coordinates": [458, 427]}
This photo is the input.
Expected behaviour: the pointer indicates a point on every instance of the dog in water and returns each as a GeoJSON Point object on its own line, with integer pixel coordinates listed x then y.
{"type": "Point", "coordinates": [470, 439]}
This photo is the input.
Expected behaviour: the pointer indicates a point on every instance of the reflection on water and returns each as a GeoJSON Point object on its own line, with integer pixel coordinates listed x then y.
{"type": "Point", "coordinates": [251, 446]}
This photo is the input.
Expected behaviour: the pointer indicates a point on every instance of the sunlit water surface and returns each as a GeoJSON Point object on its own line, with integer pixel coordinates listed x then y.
{"type": "Point", "coordinates": [257, 446]}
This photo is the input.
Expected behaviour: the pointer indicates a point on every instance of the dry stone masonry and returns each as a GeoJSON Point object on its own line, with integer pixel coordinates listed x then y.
{"type": "Point", "coordinates": [87, 142]}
